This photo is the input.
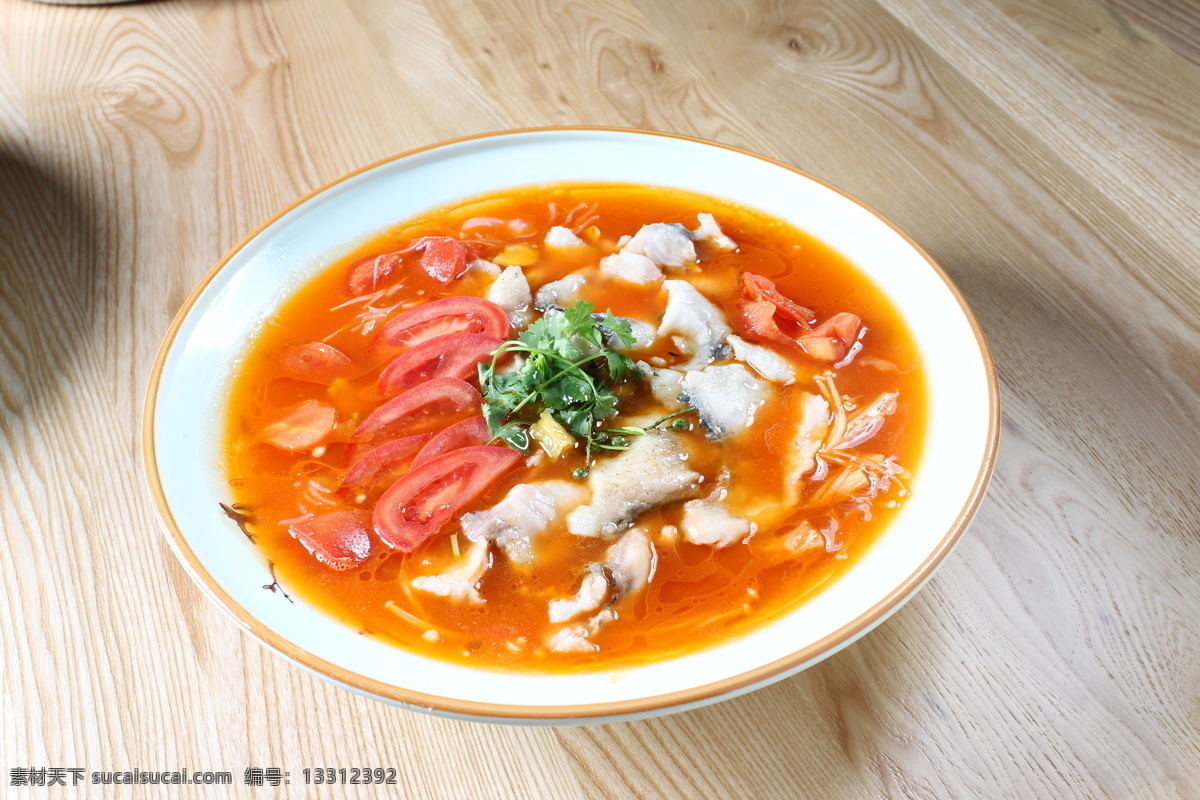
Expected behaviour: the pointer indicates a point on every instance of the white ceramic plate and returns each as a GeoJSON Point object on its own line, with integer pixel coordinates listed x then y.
{"type": "Point", "coordinates": [190, 381]}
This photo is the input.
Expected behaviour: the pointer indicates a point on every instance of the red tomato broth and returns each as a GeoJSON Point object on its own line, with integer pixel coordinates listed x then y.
{"type": "Point", "coordinates": [700, 595]}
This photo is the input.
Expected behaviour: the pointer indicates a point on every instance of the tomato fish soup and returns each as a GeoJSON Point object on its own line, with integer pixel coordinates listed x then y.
{"type": "Point", "coordinates": [574, 426]}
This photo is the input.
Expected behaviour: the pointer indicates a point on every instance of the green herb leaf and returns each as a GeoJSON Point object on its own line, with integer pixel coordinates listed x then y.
{"type": "Point", "coordinates": [618, 364]}
{"type": "Point", "coordinates": [515, 435]}
{"type": "Point", "coordinates": [622, 328]}
{"type": "Point", "coordinates": [578, 421]}
{"type": "Point", "coordinates": [567, 369]}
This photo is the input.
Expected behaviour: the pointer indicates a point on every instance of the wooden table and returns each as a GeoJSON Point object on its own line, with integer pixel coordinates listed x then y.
{"type": "Point", "coordinates": [1046, 155]}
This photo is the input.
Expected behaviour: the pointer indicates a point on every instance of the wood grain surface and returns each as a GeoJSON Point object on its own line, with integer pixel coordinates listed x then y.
{"type": "Point", "coordinates": [1045, 153]}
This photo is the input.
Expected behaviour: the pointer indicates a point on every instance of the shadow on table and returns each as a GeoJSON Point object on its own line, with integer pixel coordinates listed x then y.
{"type": "Point", "coordinates": [51, 278]}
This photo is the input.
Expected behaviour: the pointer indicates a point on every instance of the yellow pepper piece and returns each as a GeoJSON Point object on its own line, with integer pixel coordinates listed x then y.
{"type": "Point", "coordinates": [551, 435]}
{"type": "Point", "coordinates": [517, 255]}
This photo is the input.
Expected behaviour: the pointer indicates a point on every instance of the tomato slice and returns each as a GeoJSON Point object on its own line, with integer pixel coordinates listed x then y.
{"type": "Point", "coordinates": [316, 362]}
{"type": "Point", "coordinates": [385, 458]}
{"type": "Point", "coordinates": [471, 432]}
{"type": "Point", "coordinates": [417, 506]}
{"type": "Point", "coordinates": [760, 289]}
{"type": "Point", "coordinates": [442, 317]}
{"type": "Point", "coordinates": [437, 397]}
{"type": "Point", "coordinates": [837, 339]}
{"type": "Point", "coordinates": [339, 539]}
{"type": "Point", "coordinates": [453, 356]}
{"type": "Point", "coordinates": [445, 259]}
{"type": "Point", "coordinates": [301, 427]}
{"type": "Point", "coordinates": [761, 309]}
{"type": "Point", "coordinates": [442, 258]}
{"type": "Point", "coordinates": [755, 319]}
{"type": "Point", "coordinates": [368, 274]}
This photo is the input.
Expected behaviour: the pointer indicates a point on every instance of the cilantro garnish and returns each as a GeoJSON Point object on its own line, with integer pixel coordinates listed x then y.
{"type": "Point", "coordinates": [569, 371]}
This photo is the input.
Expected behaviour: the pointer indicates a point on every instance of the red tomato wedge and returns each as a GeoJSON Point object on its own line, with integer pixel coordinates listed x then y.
{"type": "Point", "coordinates": [301, 427]}
{"type": "Point", "coordinates": [443, 317]}
{"type": "Point", "coordinates": [453, 356]}
{"type": "Point", "coordinates": [837, 339]}
{"type": "Point", "coordinates": [471, 432]}
{"type": "Point", "coordinates": [417, 506]}
{"type": "Point", "coordinates": [339, 539]}
{"type": "Point", "coordinates": [370, 273]}
{"type": "Point", "coordinates": [316, 362]}
{"type": "Point", "coordinates": [755, 319]}
{"type": "Point", "coordinates": [435, 398]}
{"type": "Point", "coordinates": [385, 458]}
{"type": "Point", "coordinates": [761, 289]}
{"type": "Point", "coordinates": [761, 309]}
{"type": "Point", "coordinates": [445, 259]}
